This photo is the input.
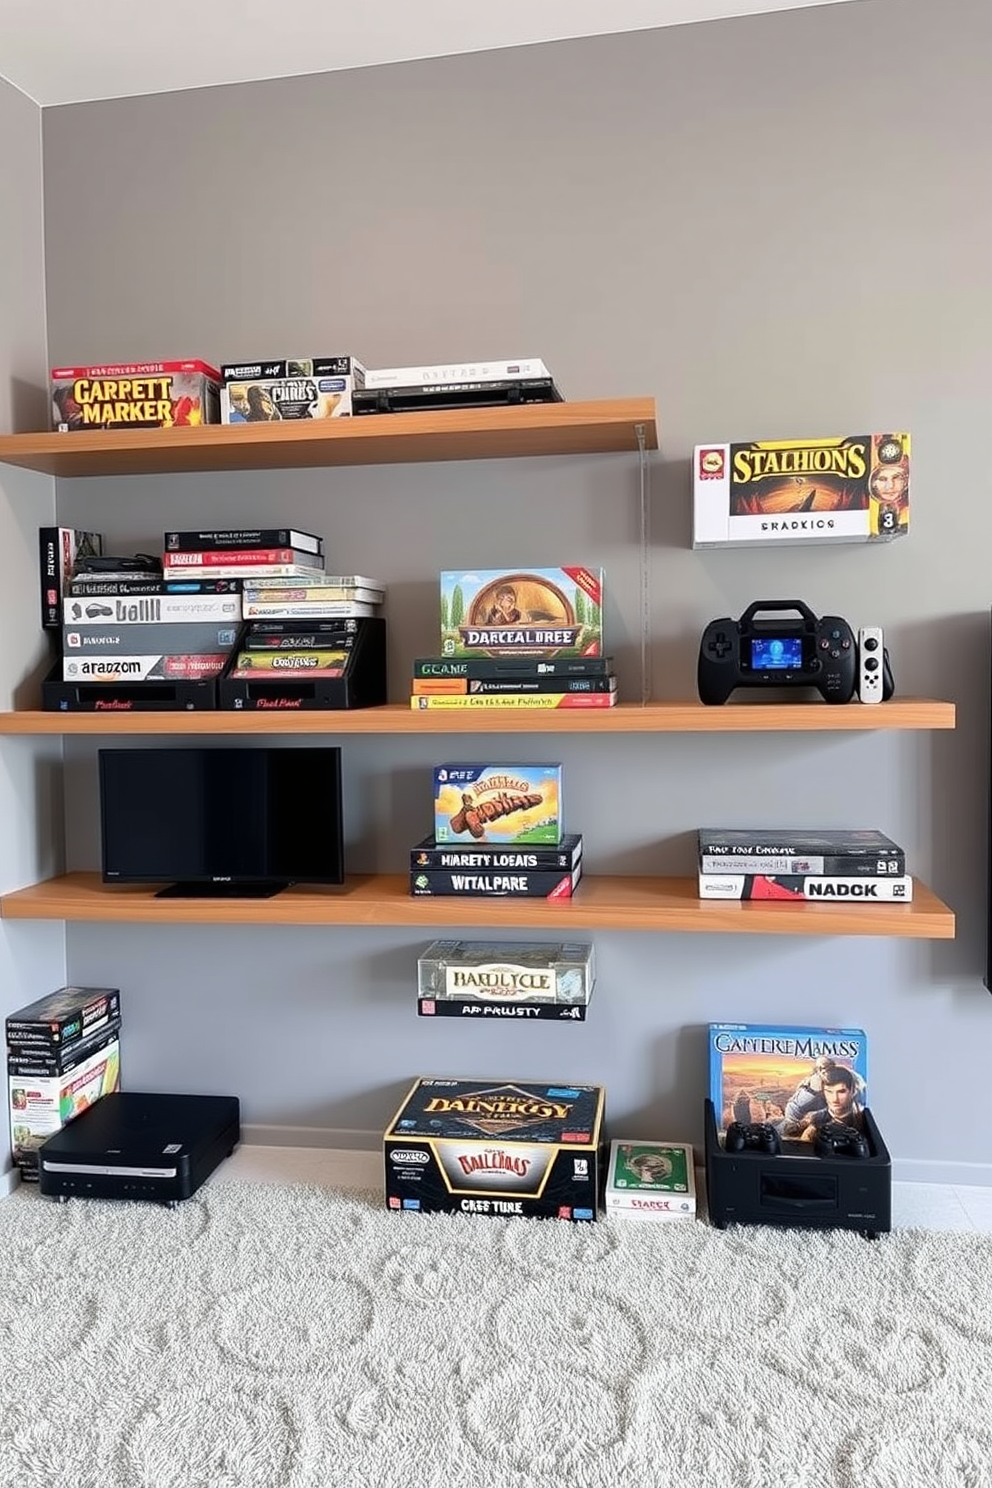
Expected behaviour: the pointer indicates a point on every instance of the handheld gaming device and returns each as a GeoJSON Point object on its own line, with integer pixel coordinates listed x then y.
{"type": "Point", "coordinates": [778, 652]}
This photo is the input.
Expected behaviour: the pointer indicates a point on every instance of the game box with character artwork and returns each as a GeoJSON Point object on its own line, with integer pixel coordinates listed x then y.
{"type": "Point", "coordinates": [854, 488]}
{"type": "Point", "coordinates": [536, 612]}
{"type": "Point", "coordinates": [135, 395]}
{"type": "Point", "coordinates": [792, 1078]}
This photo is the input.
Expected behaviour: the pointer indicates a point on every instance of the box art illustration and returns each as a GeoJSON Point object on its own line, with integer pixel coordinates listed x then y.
{"type": "Point", "coordinates": [498, 803]}
{"type": "Point", "coordinates": [849, 489]}
{"type": "Point", "coordinates": [138, 395]}
{"type": "Point", "coordinates": [537, 612]}
{"type": "Point", "coordinates": [302, 388]}
{"type": "Point", "coordinates": [797, 1079]}
{"type": "Point", "coordinates": [651, 1179]}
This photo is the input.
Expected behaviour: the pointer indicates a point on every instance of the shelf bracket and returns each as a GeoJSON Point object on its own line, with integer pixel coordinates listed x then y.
{"type": "Point", "coordinates": [644, 493]}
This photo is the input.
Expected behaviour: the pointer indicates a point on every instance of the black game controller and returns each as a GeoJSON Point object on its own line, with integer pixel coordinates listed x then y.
{"type": "Point", "coordinates": [808, 652]}
{"type": "Point", "coordinates": [752, 1136]}
{"type": "Point", "coordinates": [837, 1139]}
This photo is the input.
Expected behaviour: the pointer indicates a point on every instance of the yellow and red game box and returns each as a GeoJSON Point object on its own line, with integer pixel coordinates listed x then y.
{"type": "Point", "coordinates": [504, 1148]}
{"type": "Point", "coordinates": [854, 488]}
{"type": "Point", "coordinates": [135, 395]}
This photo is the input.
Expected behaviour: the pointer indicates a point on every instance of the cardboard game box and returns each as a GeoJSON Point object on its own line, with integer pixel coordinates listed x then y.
{"type": "Point", "coordinates": [536, 612]}
{"type": "Point", "coordinates": [43, 1095]}
{"type": "Point", "coordinates": [854, 488]}
{"type": "Point", "coordinates": [650, 1180]}
{"type": "Point", "coordinates": [785, 1076]}
{"type": "Point", "coordinates": [496, 1147]}
{"type": "Point", "coordinates": [506, 979]}
{"type": "Point", "coordinates": [301, 388]}
{"type": "Point", "coordinates": [135, 395]}
{"type": "Point", "coordinates": [504, 804]}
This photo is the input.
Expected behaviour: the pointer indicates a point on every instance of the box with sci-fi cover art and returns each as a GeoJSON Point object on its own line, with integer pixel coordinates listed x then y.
{"type": "Point", "coordinates": [300, 388]}
{"type": "Point", "coordinates": [796, 1078]}
{"type": "Point", "coordinates": [849, 489]}
{"type": "Point", "coordinates": [135, 395]}
{"type": "Point", "coordinates": [497, 1147]}
{"type": "Point", "coordinates": [535, 612]}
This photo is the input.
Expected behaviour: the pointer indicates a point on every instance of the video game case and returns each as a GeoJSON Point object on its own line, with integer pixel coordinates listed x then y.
{"type": "Point", "coordinates": [154, 609]}
{"type": "Point", "coordinates": [515, 700]}
{"type": "Point", "coordinates": [303, 640]}
{"type": "Point", "coordinates": [177, 562]}
{"type": "Point", "coordinates": [843, 865]}
{"type": "Point", "coordinates": [791, 842]}
{"type": "Point", "coordinates": [823, 890]}
{"type": "Point", "coordinates": [548, 1012]}
{"type": "Point", "coordinates": [246, 571]}
{"type": "Point", "coordinates": [189, 637]}
{"type": "Point", "coordinates": [58, 550]}
{"type": "Point", "coordinates": [97, 586]}
{"type": "Point", "coordinates": [509, 686]}
{"type": "Point", "coordinates": [324, 609]}
{"type": "Point", "coordinates": [64, 1016]}
{"type": "Point", "coordinates": [218, 539]}
{"type": "Point", "coordinates": [189, 667]}
{"type": "Point", "coordinates": [484, 667]}
{"type": "Point", "coordinates": [45, 1061]}
{"type": "Point", "coordinates": [309, 591]}
{"type": "Point", "coordinates": [433, 856]}
{"type": "Point", "coordinates": [553, 885]}
{"type": "Point", "coordinates": [270, 664]}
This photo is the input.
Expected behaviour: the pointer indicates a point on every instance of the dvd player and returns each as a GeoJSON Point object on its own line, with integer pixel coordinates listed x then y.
{"type": "Point", "coordinates": [132, 1145]}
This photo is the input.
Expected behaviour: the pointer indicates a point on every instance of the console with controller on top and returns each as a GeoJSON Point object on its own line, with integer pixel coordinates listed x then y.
{"type": "Point", "coordinates": [782, 652]}
{"type": "Point", "coordinates": [797, 1187]}
{"type": "Point", "coordinates": [130, 1145]}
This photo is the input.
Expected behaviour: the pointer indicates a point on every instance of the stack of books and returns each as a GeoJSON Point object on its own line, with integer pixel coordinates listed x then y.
{"type": "Point", "coordinates": [858, 866]}
{"type": "Point", "coordinates": [244, 553]}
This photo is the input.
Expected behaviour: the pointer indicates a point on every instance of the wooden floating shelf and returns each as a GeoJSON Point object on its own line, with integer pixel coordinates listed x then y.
{"type": "Point", "coordinates": [608, 426]}
{"type": "Point", "coordinates": [399, 718]}
{"type": "Point", "coordinates": [660, 904]}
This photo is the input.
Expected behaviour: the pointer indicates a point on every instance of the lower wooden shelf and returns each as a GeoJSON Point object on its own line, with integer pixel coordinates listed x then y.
{"type": "Point", "coordinates": [606, 903]}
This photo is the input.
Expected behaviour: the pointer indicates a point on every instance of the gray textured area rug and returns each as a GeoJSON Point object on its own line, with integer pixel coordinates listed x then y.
{"type": "Point", "coordinates": [258, 1337]}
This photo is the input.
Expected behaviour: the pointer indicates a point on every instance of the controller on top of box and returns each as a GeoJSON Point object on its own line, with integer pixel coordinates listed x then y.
{"type": "Point", "coordinates": [808, 651]}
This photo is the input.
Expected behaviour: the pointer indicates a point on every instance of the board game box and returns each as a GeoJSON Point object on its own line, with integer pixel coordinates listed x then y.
{"type": "Point", "coordinates": [650, 1180]}
{"type": "Point", "coordinates": [300, 388]}
{"type": "Point", "coordinates": [41, 1104]}
{"type": "Point", "coordinates": [497, 1147]}
{"type": "Point", "coordinates": [854, 488]}
{"type": "Point", "coordinates": [536, 612]}
{"type": "Point", "coordinates": [796, 1078]}
{"type": "Point", "coordinates": [502, 804]}
{"type": "Point", "coordinates": [526, 979]}
{"type": "Point", "coordinates": [135, 395]}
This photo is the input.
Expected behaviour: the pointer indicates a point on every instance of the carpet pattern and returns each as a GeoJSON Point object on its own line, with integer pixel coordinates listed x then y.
{"type": "Point", "coordinates": [258, 1337]}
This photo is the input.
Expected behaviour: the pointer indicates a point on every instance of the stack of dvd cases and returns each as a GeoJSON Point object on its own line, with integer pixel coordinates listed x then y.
{"type": "Point", "coordinates": [63, 1053]}
{"type": "Point", "coordinates": [860, 866]}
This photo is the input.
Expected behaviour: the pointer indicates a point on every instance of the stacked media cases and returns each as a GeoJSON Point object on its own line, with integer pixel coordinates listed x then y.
{"type": "Point", "coordinates": [305, 627]}
{"type": "Point", "coordinates": [497, 834]}
{"type": "Point", "coordinates": [63, 1054]}
{"type": "Point", "coordinates": [262, 553]}
{"type": "Point", "coordinates": [859, 866]}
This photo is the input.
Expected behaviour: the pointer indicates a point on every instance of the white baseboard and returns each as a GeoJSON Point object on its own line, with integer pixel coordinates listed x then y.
{"type": "Point", "coordinates": [340, 1137]}
{"type": "Point", "coordinates": [960, 1174]}
{"type": "Point", "coordinates": [10, 1179]}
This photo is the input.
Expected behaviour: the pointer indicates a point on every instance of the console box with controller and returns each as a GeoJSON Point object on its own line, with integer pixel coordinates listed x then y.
{"type": "Point", "coordinates": [830, 1187]}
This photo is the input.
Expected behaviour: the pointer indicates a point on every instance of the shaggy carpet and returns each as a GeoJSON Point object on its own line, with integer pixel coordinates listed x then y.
{"type": "Point", "coordinates": [293, 1338]}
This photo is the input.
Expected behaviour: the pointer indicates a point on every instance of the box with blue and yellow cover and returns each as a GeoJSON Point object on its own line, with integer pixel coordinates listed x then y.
{"type": "Point", "coordinates": [504, 1148]}
{"type": "Point", "coordinates": [795, 1078]}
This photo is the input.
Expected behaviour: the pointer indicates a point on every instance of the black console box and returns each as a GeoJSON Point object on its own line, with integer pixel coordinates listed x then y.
{"type": "Point", "coordinates": [362, 684]}
{"type": "Point", "coordinates": [130, 1145]}
{"type": "Point", "coordinates": [797, 1188]}
{"type": "Point", "coordinates": [164, 696]}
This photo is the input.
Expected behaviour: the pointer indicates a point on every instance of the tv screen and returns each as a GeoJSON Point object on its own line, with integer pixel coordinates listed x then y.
{"type": "Point", "coordinates": [222, 821]}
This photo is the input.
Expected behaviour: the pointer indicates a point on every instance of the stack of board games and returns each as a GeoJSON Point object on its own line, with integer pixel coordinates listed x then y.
{"type": "Point", "coordinates": [244, 553]}
{"type": "Point", "coordinates": [854, 488]}
{"type": "Point", "coordinates": [650, 1180]}
{"type": "Point", "coordinates": [497, 834]}
{"type": "Point", "coordinates": [825, 865]}
{"type": "Point", "coordinates": [456, 385]}
{"type": "Point", "coordinates": [135, 395]}
{"type": "Point", "coordinates": [524, 638]}
{"type": "Point", "coordinates": [289, 388]}
{"type": "Point", "coordinates": [795, 1078]}
{"type": "Point", "coordinates": [143, 629]}
{"type": "Point", "coordinates": [503, 1148]}
{"type": "Point", "coordinates": [506, 979]}
{"type": "Point", "coordinates": [63, 1053]}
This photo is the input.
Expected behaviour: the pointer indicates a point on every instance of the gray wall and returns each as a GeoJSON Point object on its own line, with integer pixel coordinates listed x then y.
{"type": "Point", "coordinates": [777, 226]}
{"type": "Point", "coordinates": [32, 959]}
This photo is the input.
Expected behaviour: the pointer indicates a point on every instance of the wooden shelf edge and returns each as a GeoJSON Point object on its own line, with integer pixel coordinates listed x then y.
{"type": "Point", "coordinates": [601, 903]}
{"type": "Point", "coordinates": [399, 718]}
{"type": "Point", "coordinates": [604, 426]}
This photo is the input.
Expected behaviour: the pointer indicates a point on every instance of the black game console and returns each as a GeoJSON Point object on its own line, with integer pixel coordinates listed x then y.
{"type": "Point", "coordinates": [135, 1146]}
{"type": "Point", "coordinates": [847, 1188]}
{"type": "Point", "coordinates": [805, 652]}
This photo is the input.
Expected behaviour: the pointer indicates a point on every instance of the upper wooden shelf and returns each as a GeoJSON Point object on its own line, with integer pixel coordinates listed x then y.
{"type": "Point", "coordinates": [604, 427]}
{"type": "Point", "coordinates": [611, 903]}
{"type": "Point", "coordinates": [399, 718]}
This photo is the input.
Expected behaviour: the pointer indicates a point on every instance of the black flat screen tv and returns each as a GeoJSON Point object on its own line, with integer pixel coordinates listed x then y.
{"type": "Point", "coordinates": [222, 822]}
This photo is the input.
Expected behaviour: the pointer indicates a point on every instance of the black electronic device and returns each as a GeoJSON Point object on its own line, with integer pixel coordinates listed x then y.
{"type": "Point", "coordinates": [837, 1139]}
{"type": "Point", "coordinates": [132, 1145]}
{"type": "Point", "coordinates": [139, 563]}
{"type": "Point", "coordinates": [810, 651]}
{"type": "Point", "coordinates": [510, 392]}
{"type": "Point", "coordinates": [358, 682]}
{"type": "Point", "coordinates": [797, 1187]}
{"type": "Point", "coordinates": [752, 1136]}
{"type": "Point", "coordinates": [238, 823]}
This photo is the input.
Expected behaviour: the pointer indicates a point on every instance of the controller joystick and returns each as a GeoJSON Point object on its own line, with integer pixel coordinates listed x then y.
{"type": "Point", "coordinates": [837, 1139]}
{"type": "Point", "coordinates": [752, 1136]}
{"type": "Point", "coordinates": [750, 652]}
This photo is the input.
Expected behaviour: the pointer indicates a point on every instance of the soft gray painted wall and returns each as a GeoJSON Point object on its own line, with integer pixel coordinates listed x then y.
{"type": "Point", "coordinates": [32, 957]}
{"type": "Point", "coordinates": [777, 226]}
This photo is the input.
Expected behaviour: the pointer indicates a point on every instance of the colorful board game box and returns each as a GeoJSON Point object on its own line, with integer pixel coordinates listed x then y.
{"type": "Point", "coordinates": [300, 388]}
{"type": "Point", "coordinates": [497, 1147]}
{"type": "Point", "coordinates": [42, 1104]}
{"type": "Point", "coordinates": [537, 612]}
{"type": "Point", "coordinates": [795, 1078]}
{"type": "Point", "coordinates": [497, 803]}
{"type": "Point", "coordinates": [135, 395]}
{"type": "Point", "coordinates": [650, 1180]}
{"type": "Point", "coordinates": [854, 488]}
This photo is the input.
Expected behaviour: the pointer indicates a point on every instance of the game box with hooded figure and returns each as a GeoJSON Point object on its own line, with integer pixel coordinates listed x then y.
{"type": "Point", "coordinates": [497, 1147]}
{"type": "Point", "coordinates": [854, 488]}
